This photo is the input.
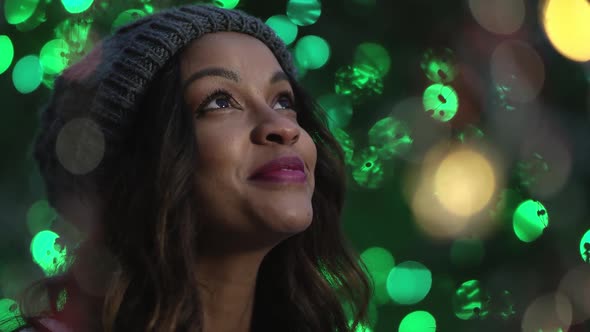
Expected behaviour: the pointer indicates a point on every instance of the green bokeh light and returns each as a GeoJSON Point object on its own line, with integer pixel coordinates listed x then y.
{"type": "Point", "coordinates": [283, 27]}
{"type": "Point", "coordinates": [227, 4]}
{"type": "Point", "coordinates": [312, 52]}
{"type": "Point", "coordinates": [467, 252]}
{"type": "Point", "coordinates": [367, 168]}
{"type": "Point", "coordinates": [27, 74]}
{"type": "Point", "coordinates": [18, 11]}
{"type": "Point", "coordinates": [127, 17]}
{"type": "Point", "coordinates": [346, 143]}
{"type": "Point", "coordinates": [360, 327]}
{"type": "Point", "coordinates": [48, 253]}
{"type": "Point", "coordinates": [391, 137]}
{"type": "Point", "coordinates": [441, 102]}
{"type": "Point", "coordinates": [359, 82]}
{"type": "Point", "coordinates": [529, 220]}
{"type": "Point", "coordinates": [373, 56]}
{"type": "Point", "coordinates": [470, 134]}
{"type": "Point", "coordinates": [6, 53]}
{"type": "Point", "coordinates": [54, 56]}
{"type": "Point", "coordinates": [379, 262]}
{"type": "Point", "coordinates": [62, 298]}
{"type": "Point", "coordinates": [505, 306]}
{"type": "Point", "coordinates": [418, 321]}
{"type": "Point", "coordinates": [409, 283]}
{"type": "Point", "coordinates": [470, 301]}
{"type": "Point", "coordinates": [304, 12]}
{"type": "Point", "coordinates": [338, 109]}
{"type": "Point", "coordinates": [439, 67]}
{"type": "Point", "coordinates": [40, 216]}
{"type": "Point", "coordinates": [9, 315]}
{"type": "Point", "coordinates": [585, 247]}
{"type": "Point", "coordinates": [75, 32]}
{"type": "Point", "coordinates": [531, 170]}
{"type": "Point", "coordinates": [76, 6]}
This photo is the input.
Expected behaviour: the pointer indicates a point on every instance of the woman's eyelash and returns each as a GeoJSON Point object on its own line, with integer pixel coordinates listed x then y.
{"type": "Point", "coordinates": [224, 93]}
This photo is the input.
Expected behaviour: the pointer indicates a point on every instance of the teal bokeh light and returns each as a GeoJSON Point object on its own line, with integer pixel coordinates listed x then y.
{"type": "Point", "coordinates": [409, 282]}
{"type": "Point", "coordinates": [54, 56]}
{"type": "Point", "coordinates": [304, 12]}
{"type": "Point", "coordinates": [529, 220]}
{"type": "Point", "coordinates": [27, 74]}
{"type": "Point", "coordinates": [418, 321]}
{"type": "Point", "coordinates": [227, 4]}
{"type": "Point", "coordinates": [76, 6]}
{"type": "Point", "coordinates": [283, 27]}
{"type": "Point", "coordinates": [312, 52]}
{"type": "Point", "coordinates": [48, 253]}
{"type": "Point", "coordinates": [441, 102]}
{"type": "Point", "coordinates": [374, 56]}
{"type": "Point", "coordinates": [18, 11]}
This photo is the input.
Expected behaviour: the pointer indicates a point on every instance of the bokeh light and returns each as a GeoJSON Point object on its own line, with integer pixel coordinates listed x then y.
{"type": "Point", "coordinates": [127, 17]}
{"type": "Point", "coordinates": [374, 56]}
{"type": "Point", "coordinates": [418, 321]}
{"type": "Point", "coordinates": [304, 12]}
{"type": "Point", "coordinates": [368, 169]}
{"type": "Point", "coordinates": [48, 253]}
{"type": "Point", "coordinates": [283, 27]}
{"type": "Point", "coordinates": [227, 4]}
{"type": "Point", "coordinates": [585, 247]}
{"type": "Point", "coordinates": [379, 262]}
{"type": "Point", "coordinates": [40, 216]}
{"type": "Point", "coordinates": [567, 25]}
{"type": "Point", "coordinates": [359, 82]}
{"type": "Point", "coordinates": [441, 102]}
{"type": "Point", "coordinates": [312, 52]}
{"type": "Point", "coordinates": [439, 66]}
{"type": "Point", "coordinates": [76, 6]}
{"type": "Point", "coordinates": [18, 11]}
{"type": "Point", "coordinates": [390, 137]}
{"type": "Point", "coordinates": [54, 56]}
{"type": "Point", "coordinates": [6, 53]}
{"type": "Point", "coordinates": [9, 315]}
{"type": "Point", "coordinates": [470, 301]}
{"type": "Point", "coordinates": [519, 69]}
{"type": "Point", "coordinates": [27, 74]}
{"type": "Point", "coordinates": [549, 312]}
{"type": "Point", "coordinates": [80, 145]}
{"type": "Point", "coordinates": [338, 109]}
{"type": "Point", "coordinates": [409, 282]}
{"type": "Point", "coordinates": [498, 16]}
{"type": "Point", "coordinates": [575, 286]}
{"type": "Point", "coordinates": [346, 143]}
{"type": "Point", "coordinates": [464, 182]}
{"type": "Point", "coordinates": [529, 221]}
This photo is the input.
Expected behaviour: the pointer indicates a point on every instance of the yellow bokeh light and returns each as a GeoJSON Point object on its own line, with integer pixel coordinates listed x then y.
{"type": "Point", "coordinates": [464, 182]}
{"type": "Point", "coordinates": [567, 25]}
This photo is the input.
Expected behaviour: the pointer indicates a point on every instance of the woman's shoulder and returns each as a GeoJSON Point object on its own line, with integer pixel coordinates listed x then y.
{"type": "Point", "coordinates": [46, 325]}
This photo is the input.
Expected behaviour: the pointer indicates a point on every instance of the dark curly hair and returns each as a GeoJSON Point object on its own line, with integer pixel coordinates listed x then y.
{"type": "Point", "coordinates": [140, 215]}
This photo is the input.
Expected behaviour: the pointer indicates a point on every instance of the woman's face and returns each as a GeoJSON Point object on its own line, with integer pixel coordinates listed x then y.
{"type": "Point", "coordinates": [246, 123]}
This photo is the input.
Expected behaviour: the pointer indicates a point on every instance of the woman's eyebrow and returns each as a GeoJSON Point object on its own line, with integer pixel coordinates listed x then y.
{"type": "Point", "coordinates": [212, 71]}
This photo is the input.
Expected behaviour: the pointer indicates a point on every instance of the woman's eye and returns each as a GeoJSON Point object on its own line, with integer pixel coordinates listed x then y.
{"type": "Point", "coordinates": [218, 102]}
{"type": "Point", "coordinates": [286, 102]}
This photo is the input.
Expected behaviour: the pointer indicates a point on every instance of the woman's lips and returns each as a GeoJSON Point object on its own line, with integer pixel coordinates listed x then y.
{"type": "Point", "coordinates": [281, 175]}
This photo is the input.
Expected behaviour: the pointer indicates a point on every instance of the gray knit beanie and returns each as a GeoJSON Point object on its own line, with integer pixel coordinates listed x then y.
{"type": "Point", "coordinates": [103, 90]}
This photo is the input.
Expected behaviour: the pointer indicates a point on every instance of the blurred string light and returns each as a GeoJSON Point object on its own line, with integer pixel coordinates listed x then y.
{"type": "Point", "coordinates": [48, 253]}
{"type": "Point", "coordinates": [567, 25]}
{"type": "Point", "coordinates": [529, 221]}
{"type": "Point", "coordinates": [549, 312]}
{"type": "Point", "coordinates": [227, 4]}
{"type": "Point", "coordinates": [470, 301]}
{"type": "Point", "coordinates": [379, 262]}
{"type": "Point", "coordinates": [441, 102]}
{"type": "Point", "coordinates": [19, 11]}
{"type": "Point", "coordinates": [391, 137]}
{"type": "Point", "coordinates": [439, 67]}
{"type": "Point", "coordinates": [27, 74]}
{"type": "Point", "coordinates": [409, 282]}
{"type": "Point", "coordinates": [575, 287]}
{"type": "Point", "coordinates": [304, 12]}
{"type": "Point", "coordinates": [283, 27]}
{"type": "Point", "coordinates": [74, 31]}
{"type": "Point", "coordinates": [498, 16]}
{"type": "Point", "coordinates": [585, 247]}
{"type": "Point", "coordinates": [368, 171]}
{"type": "Point", "coordinates": [6, 53]}
{"type": "Point", "coordinates": [40, 216]}
{"type": "Point", "coordinates": [312, 52]}
{"type": "Point", "coordinates": [518, 69]}
{"type": "Point", "coordinates": [80, 145]}
{"type": "Point", "coordinates": [467, 252]}
{"type": "Point", "coordinates": [346, 143]}
{"type": "Point", "coordinates": [338, 109]}
{"type": "Point", "coordinates": [76, 6]}
{"type": "Point", "coordinates": [359, 82]}
{"type": "Point", "coordinates": [455, 185]}
{"type": "Point", "coordinates": [9, 315]}
{"type": "Point", "coordinates": [418, 321]}
{"type": "Point", "coordinates": [126, 17]}
{"type": "Point", "coordinates": [373, 56]}
{"type": "Point", "coordinates": [54, 56]}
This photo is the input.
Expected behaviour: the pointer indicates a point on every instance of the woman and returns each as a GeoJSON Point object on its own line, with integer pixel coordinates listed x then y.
{"type": "Point", "coordinates": [207, 181]}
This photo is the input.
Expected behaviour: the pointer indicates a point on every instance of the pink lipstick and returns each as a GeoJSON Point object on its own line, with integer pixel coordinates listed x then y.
{"type": "Point", "coordinates": [284, 169]}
